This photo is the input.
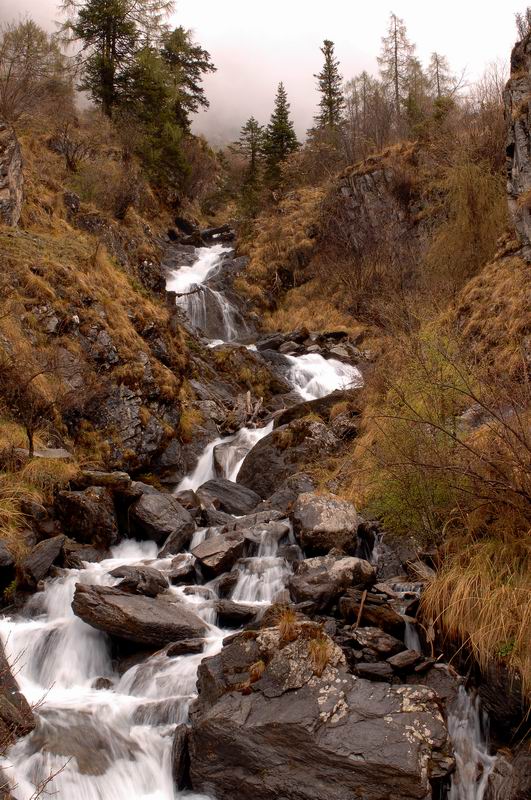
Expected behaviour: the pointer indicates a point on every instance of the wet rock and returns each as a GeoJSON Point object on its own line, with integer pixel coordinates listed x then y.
{"type": "Point", "coordinates": [511, 777]}
{"type": "Point", "coordinates": [88, 516]}
{"type": "Point", "coordinates": [38, 563]}
{"type": "Point", "coordinates": [227, 582]}
{"type": "Point", "coordinates": [74, 554]}
{"type": "Point", "coordinates": [377, 641]}
{"type": "Point", "coordinates": [16, 716]}
{"type": "Point", "coordinates": [135, 618]}
{"type": "Point", "coordinates": [161, 518]}
{"type": "Point", "coordinates": [377, 671]}
{"type": "Point", "coordinates": [321, 580]}
{"type": "Point", "coordinates": [115, 481]}
{"type": "Point", "coordinates": [219, 553]}
{"type": "Point", "coordinates": [405, 660]}
{"type": "Point", "coordinates": [102, 684]}
{"type": "Point", "coordinates": [185, 647]}
{"type": "Point", "coordinates": [285, 496]}
{"type": "Point", "coordinates": [272, 721]}
{"type": "Point", "coordinates": [441, 679]}
{"type": "Point", "coordinates": [180, 758]}
{"type": "Point", "coordinates": [266, 532]}
{"type": "Point", "coordinates": [323, 522]}
{"type": "Point", "coordinates": [234, 615]}
{"type": "Point", "coordinates": [228, 496]}
{"type": "Point", "coordinates": [375, 612]}
{"type": "Point", "coordinates": [321, 406]}
{"type": "Point", "coordinates": [140, 580]}
{"type": "Point", "coordinates": [284, 452]}
{"type": "Point", "coordinates": [182, 569]}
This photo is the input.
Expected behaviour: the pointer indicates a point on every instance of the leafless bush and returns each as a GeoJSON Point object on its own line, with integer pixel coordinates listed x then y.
{"type": "Point", "coordinates": [72, 144]}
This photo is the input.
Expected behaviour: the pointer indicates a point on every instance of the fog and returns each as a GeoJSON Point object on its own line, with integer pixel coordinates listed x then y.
{"type": "Point", "coordinates": [255, 45]}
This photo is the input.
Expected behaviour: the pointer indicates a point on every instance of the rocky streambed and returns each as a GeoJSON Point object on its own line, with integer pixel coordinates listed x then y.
{"type": "Point", "coordinates": [243, 636]}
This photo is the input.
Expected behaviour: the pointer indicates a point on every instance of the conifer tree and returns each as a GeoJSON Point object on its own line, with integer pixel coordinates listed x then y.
{"type": "Point", "coordinates": [111, 31]}
{"type": "Point", "coordinates": [329, 84]}
{"type": "Point", "coordinates": [250, 146]}
{"type": "Point", "coordinates": [442, 82]}
{"type": "Point", "coordinates": [188, 63]}
{"type": "Point", "coordinates": [280, 137]}
{"type": "Point", "coordinates": [395, 60]}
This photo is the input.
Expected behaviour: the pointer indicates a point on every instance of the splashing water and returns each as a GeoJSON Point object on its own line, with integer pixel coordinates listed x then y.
{"type": "Point", "coordinates": [474, 764]}
{"type": "Point", "coordinates": [314, 376]}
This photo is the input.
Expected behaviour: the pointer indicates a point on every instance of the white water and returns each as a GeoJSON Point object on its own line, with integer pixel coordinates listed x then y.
{"type": "Point", "coordinates": [474, 764]}
{"type": "Point", "coordinates": [200, 306]}
{"type": "Point", "coordinates": [105, 744]}
{"type": "Point", "coordinates": [235, 447]}
{"type": "Point", "coordinates": [314, 376]}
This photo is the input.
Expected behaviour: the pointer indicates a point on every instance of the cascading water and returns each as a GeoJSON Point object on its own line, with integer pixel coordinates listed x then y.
{"type": "Point", "coordinates": [467, 728]}
{"type": "Point", "coordinates": [207, 309]}
{"type": "Point", "coordinates": [314, 376]}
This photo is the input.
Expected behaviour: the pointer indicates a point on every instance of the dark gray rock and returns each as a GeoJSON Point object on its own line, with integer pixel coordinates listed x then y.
{"type": "Point", "coordinates": [38, 563]}
{"type": "Point", "coordinates": [182, 569]}
{"type": "Point", "coordinates": [234, 615]}
{"type": "Point", "coordinates": [228, 496]}
{"type": "Point", "coordinates": [273, 721]}
{"type": "Point", "coordinates": [7, 566]}
{"type": "Point", "coordinates": [219, 553]}
{"type": "Point", "coordinates": [323, 522]}
{"type": "Point", "coordinates": [377, 671]}
{"type": "Point", "coordinates": [16, 716]}
{"type": "Point", "coordinates": [161, 518]}
{"type": "Point", "coordinates": [283, 452]}
{"type": "Point", "coordinates": [88, 516]}
{"type": "Point", "coordinates": [180, 758]}
{"type": "Point", "coordinates": [140, 580]}
{"type": "Point", "coordinates": [375, 612]}
{"type": "Point", "coordinates": [321, 580]}
{"type": "Point", "coordinates": [135, 618]}
{"type": "Point", "coordinates": [405, 660]}
{"type": "Point", "coordinates": [184, 647]}
{"type": "Point", "coordinates": [11, 176]}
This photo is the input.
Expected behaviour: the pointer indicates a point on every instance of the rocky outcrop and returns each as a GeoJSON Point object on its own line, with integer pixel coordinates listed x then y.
{"type": "Point", "coordinates": [518, 118]}
{"type": "Point", "coordinates": [279, 718]}
{"type": "Point", "coordinates": [284, 452]}
{"type": "Point", "coordinates": [220, 552]}
{"type": "Point", "coordinates": [323, 522]}
{"type": "Point", "coordinates": [321, 580]}
{"type": "Point", "coordinates": [89, 516]}
{"type": "Point", "coordinates": [39, 561]}
{"type": "Point", "coordinates": [140, 580]}
{"type": "Point", "coordinates": [142, 620]}
{"type": "Point", "coordinates": [11, 178]}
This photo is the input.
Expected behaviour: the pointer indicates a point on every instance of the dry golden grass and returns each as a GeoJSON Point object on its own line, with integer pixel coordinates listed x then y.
{"type": "Point", "coordinates": [288, 625]}
{"type": "Point", "coordinates": [308, 306]}
{"type": "Point", "coordinates": [188, 422]}
{"type": "Point", "coordinates": [256, 671]}
{"type": "Point", "coordinates": [481, 598]}
{"type": "Point", "coordinates": [319, 650]}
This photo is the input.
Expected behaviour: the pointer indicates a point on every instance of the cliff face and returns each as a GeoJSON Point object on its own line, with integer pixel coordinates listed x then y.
{"type": "Point", "coordinates": [518, 151]}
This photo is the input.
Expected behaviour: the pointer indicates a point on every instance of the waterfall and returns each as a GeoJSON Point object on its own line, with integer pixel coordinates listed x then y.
{"type": "Point", "coordinates": [315, 376]}
{"type": "Point", "coordinates": [467, 728]}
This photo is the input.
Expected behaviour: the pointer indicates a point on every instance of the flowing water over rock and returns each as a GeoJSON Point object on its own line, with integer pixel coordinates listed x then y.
{"type": "Point", "coordinates": [105, 728]}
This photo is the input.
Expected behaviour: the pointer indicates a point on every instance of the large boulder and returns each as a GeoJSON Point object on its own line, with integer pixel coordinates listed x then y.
{"type": "Point", "coordinates": [518, 116]}
{"type": "Point", "coordinates": [323, 522]}
{"type": "Point", "coordinates": [16, 716]}
{"type": "Point", "coordinates": [284, 719]}
{"type": "Point", "coordinates": [161, 518]}
{"type": "Point", "coordinates": [283, 452]}
{"type": "Point", "coordinates": [371, 610]}
{"type": "Point", "coordinates": [143, 620]}
{"type": "Point", "coordinates": [7, 566]}
{"type": "Point", "coordinates": [88, 516]}
{"type": "Point", "coordinates": [40, 560]}
{"type": "Point", "coordinates": [323, 579]}
{"type": "Point", "coordinates": [220, 552]}
{"type": "Point", "coordinates": [228, 496]}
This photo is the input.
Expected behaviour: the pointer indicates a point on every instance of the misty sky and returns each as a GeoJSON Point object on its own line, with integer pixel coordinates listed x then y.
{"type": "Point", "coordinates": [257, 43]}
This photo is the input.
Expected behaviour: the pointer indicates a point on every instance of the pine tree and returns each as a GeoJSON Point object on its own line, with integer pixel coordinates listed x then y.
{"type": "Point", "coordinates": [188, 63]}
{"type": "Point", "coordinates": [394, 61]}
{"type": "Point", "coordinates": [329, 84]}
{"type": "Point", "coordinates": [280, 137]}
{"type": "Point", "coordinates": [111, 32]}
{"type": "Point", "coordinates": [250, 146]}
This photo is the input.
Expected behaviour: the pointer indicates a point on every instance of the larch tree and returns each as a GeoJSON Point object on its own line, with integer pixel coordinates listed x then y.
{"type": "Point", "coordinates": [395, 60]}
{"type": "Point", "coordinates": [329, 84]}
{"type": "Point", "coordinates": [442, 81]}
{"type": "Point", "coordinates": [250, 145]}
{"type": "Point", "coordinates": [280, 137]}
{"type": "Point", "coordinates": [188, 63]}
{"type": "Point", "coordinates": [111, 31]}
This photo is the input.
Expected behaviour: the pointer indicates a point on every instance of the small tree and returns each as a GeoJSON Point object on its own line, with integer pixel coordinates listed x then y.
{"type": "Point", "coordinates": [523, 22]}
{"type": "Point", "coordinates": [394, 61]}
{"type": "Point", "coordinates": [30, 61]}
{"type": "Point", "coordinates": [250, 145]}
{"type": "Point", "coordinates": [188, 63]}
{"type": "Point", "coordinates": [280, 137]}
{"type": "Point", "coordinates": [329, 84]}
{"type": "Point", "coordinates": [441, 80]}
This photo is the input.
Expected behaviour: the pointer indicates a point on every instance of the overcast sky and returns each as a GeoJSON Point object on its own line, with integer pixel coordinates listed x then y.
{"type": "Point", "coordinates": [257, 43]}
